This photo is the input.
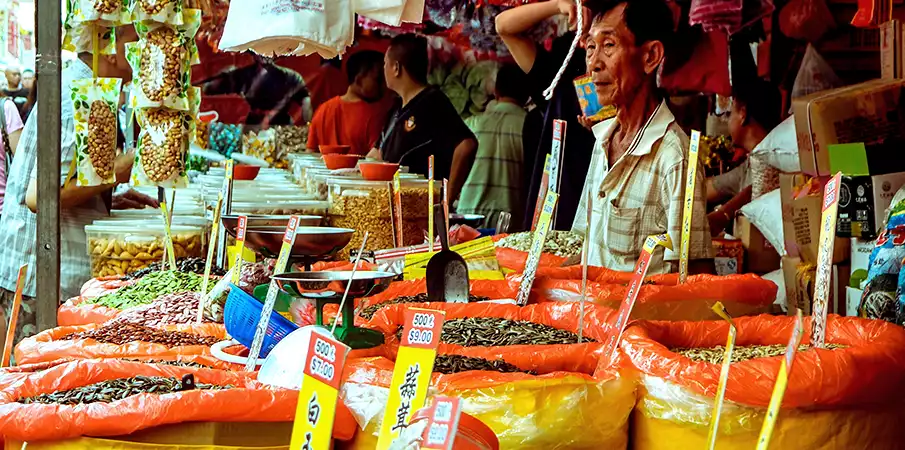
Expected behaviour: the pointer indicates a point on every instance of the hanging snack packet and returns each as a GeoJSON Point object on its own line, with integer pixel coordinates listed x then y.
{"type": "Point", "coordinates": [79, 38]}
{"type": "Point", "coordinates": [161, 11]}
{"type": "Point", "coordinates": [104, 12]}
{"type": "Point", "coordinates": [163, 144]}
{"type": "Point", "coordinates": [160, 62]}
{"type": "Point", "coordinates": [879, 298]}
{"type": "Point", "coordinates": [95, 101]}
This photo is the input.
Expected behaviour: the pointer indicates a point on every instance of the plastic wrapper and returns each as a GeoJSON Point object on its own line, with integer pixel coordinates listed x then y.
{"type": "Point", "coordinates": [261, 145]}
{"type": "Point", "coordinates": [579, 358]}
{"type": "Point", "coordinates": [741, 294]}
{"type": "Point", "coordinates": [102, 12]}
{"type": "Point", "coordinates": [161, 11]}
{"type": "Point", "coordinates": [161, 62]}
{"type": "Point", "coordinates": [879, 298]}
{"type": "Point", "coordinates": [79, 38]}
{"type": "Point", "coordinates": [163, 145]}
{"type": "Point", "coordinates": [553, 410]}
{"type": "Point", "coordinates": [845, 398]}
{"type": "Point", "coordinates": [95, 101]}
{"type": "Point", "coordinates": [76, 312]}
{"type": "Point", "coordinates": [247, 401]}
{"type": "Point", "coordinates": [48, 345]}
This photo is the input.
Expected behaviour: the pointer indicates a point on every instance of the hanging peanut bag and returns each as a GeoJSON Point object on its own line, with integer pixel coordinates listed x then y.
{"type": "Point", "coordinates": [161, 11]}
{"type": "Point", "coordinates": [163, 144]}
{"type": "Point", "coordinates": [103, 12]}
{"type": "Point", "coordinates": [95, 103]}
{"type": "Point", "coordinates": [161, 62]}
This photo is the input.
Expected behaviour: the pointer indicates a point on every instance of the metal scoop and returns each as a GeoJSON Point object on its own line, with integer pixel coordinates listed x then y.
{"type": "Point", "coordinates": [447, 273]}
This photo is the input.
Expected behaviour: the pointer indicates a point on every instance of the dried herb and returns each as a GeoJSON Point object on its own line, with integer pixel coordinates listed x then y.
{"type": "Point", "coordinates": [192, 365]}
{"type": "Point", "coordinates": [560, 243]}
{"type": "Point", "coordinates": [369, 311]}
{"type": "Point", "coordinates": [184, 265]}
{"type": "Point", "coordinates": [448, 364]}
{"type": "Point", "coordinates": [714, 355]}
{"type": "Point", "coordinates": [112, 390]}
{"type": "Point", "coordinates": [124, 333]}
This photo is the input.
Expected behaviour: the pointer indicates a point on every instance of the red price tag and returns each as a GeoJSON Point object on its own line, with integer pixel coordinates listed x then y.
{"type": "Point", "coordinates": [324, 358]}
{"type": "Point", "coordinates": [241, 228]}
{"type": "Point", "coordinates": [289, 236]}
{"type": "Point", "coordinates": [442, 423]}
{"type": "Point", "coordinates": [422, 329]}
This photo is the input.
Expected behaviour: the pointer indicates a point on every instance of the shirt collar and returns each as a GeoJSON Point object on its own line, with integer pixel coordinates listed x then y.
{"type": "Point", "coordinates": [504, 107]}
{"type": "Point", "coordinates": [653, 130]}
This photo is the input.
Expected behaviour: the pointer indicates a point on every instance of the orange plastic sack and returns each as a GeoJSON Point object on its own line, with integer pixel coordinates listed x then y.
{"type": "Point", "coordinates": [579, 358]}
{"type": "Point", "coordinates": [527, 412]}
{"type": "Point", "coordinates": [741, 294]}
{"type": "Point", "coordinates": [603, 275]}
{"type": "Point", "coordinates": [249, 401]}
{"type": "Point", "coordinates": [47, 345]}
{"type": "Point", "coordinates": [75, 312]}
{"type": "Point", "coordinates": [97, 287]}
{"type": "Point", "coordinates": [845, 398]}
{"type": "Point", "coordinates": [515, 260]}
{"type": "Point", "coordinates": [341, 266]}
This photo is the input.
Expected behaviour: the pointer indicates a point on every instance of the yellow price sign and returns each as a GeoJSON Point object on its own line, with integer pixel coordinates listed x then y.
{"type": "Point", "coordinates": [720, 310]}
{"type": "Point", "coordinates": [412, 372]}
{"type": "Point", "coordinates": [542, 193]}
{"type": "Point", "coordinates": [614, 335]}
{"type": "Point", "coordinates": [825, 259]}
{"type": "Point", "coordinates": [215, 228]}
{"type": "Point", "coordinates": [537, 246]}
{"type": "Point", "coordinates": [168, 239]}
{"type": "Point", "coordinates": [316, 410]}
{"type": "Point", "coordinates": [430, 203]}
{"type": "Point", "coordinates": [690, 180]}
{"type": "Point", "coordinates": [241, 229]}
{"type": "Point", "coordinates": [782, 380]}
{"type": "Point", "coordinates": [13, 317]}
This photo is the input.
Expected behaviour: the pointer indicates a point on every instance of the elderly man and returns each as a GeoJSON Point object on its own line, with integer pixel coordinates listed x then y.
{"type": "Point", "coordinates": [637, 172]}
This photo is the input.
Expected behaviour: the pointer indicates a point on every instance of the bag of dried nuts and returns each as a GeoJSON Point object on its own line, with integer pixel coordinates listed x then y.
{"type": "Point", "coordinates": [95, 103]}
{"type": "Point", "coordinates": [163, 144]}
{"type": "Point", "coordinates": [161, 11]}
{"type": "Point", "coordinates": [161, 62]}
{"type": "Point", "coordinates": [104, 12]}
{"type": "Point", "coordinates": [79, 38]}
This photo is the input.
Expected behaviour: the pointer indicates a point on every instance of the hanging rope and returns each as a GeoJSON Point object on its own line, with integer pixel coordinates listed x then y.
{"type": "Point", "coordinates": [548, 93]}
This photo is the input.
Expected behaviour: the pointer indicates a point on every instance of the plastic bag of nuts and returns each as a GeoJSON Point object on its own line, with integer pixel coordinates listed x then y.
{"type": "Point", "coordinates": [292, 138]}
{"type": "Point", "coordinates": [160, 62]}
{"type": "Point", "coordinates": [161, 11]}
{"type": "Point", "coordinates": [103, 12]}
{"type": "Point", "coordinates": [163, 145]}
{"type": "Point", "coordinates": [261, 145]}
{"type": "Point", "coordinates": [95, 101]}
{"type": "Point", "coordinates": [79, 37]}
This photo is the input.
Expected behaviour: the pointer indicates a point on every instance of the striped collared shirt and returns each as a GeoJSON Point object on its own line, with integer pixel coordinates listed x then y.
{"type": "Point", "coordinates": [642, 194]}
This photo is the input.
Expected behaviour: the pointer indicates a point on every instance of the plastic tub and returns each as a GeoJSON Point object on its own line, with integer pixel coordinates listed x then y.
{"type": "Point", "coordinates": [305, 207]}
{"type": "Point", "coordinates": [121, 249]}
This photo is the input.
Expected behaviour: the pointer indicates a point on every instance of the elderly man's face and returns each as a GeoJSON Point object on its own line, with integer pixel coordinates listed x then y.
{"type": "Point", "coordinates": [618, 66]}
{"type": "Point", "coordinates": [13, 78]}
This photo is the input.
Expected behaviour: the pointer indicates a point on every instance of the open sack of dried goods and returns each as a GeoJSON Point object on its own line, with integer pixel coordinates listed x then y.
{"type": "Point", "coordinates": [512, 249]}
{"type": "Point", "coordinates": [533, 337]}
{"type": "Point", "coordinates": [603, 275]}
{"type": "Point", "coordinates": [846, 396]}
{"type": "Point", "coordinates": [119, 340]}
{"type": "Point", "coordinates": [544, 409]}
{"type": "Point", "coordinates": [147, 290]}
{"type": "Point", "coordinates": [117, 398]}
{"type": "Point", "coordinates": [742, 295]}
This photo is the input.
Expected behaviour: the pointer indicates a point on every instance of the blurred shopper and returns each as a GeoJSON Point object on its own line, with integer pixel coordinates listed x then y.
{"type": "Point", "coordinates": [10, 129]}
{"type": "Point", "coordinates": [425, 123]}
{"type": "Point", "coordinates": [541, 66]}
{"type": "Point", "coordinates": [637, 173]}
{"type": "Point", "coordinates": [357, 117]}
{"type": "Point", "coordinates": [756, 108]}
{"type": "Point", "coordinates": [14, 89]}
{"type": "Point", "coordinates": [80, 206]}
{"type": "Point", "coordinates": [28, 83]}
{"type": "Point", "coordinates": [495, 182]}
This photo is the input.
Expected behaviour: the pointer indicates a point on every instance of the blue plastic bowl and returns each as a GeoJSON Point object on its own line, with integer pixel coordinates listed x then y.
{"type": "Point", "coordinates": [241, 316]}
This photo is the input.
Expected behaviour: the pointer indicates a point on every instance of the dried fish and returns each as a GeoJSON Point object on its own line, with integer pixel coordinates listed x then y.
{"type": "Point", "coordinates": [448, 364]}
{"type": "Point", "coordinates": [714, 355]}
{"type": "Point", "coordinates": [494, 331]}
{"type": "Point", "coordinates": [118, 389]}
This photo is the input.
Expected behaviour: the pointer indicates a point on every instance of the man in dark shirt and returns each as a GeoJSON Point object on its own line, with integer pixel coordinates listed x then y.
{"type": "Point", "coordinates": [425, 123]}
{"type": "Point", "coordinates": [541, 66]}
{"type": "Point", "coordinates": [14, 89]}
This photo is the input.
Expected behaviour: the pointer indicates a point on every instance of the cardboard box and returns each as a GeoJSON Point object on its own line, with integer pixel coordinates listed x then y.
{"type": "Point", "coordinates": [760, 256]}
{"type": "Point", "coordinates": [871, 112]}
{"type": "Point", "coordinates": [801, 223]}
{"type": "Point", "coordinates": [863, 202]}
{"type": "Point", "coordinates": [852, 300]}
{"type": "Point", "coordinates": [800, 278]}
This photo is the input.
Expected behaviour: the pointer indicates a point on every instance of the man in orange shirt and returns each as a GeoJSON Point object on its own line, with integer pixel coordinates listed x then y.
{"type": "Point", "coordinates": [357, 117]}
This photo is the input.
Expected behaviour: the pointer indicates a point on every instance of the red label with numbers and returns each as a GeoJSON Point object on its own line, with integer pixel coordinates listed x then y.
{"type": "Point", "coordinates": [323, 358]}
{"type": "Point", "coordinates": [240, 229]}
{"type": "Point", "coordinates": [442, 423]}
{"type": "Point", "coordinates": [422, 328]}
{"type": "Point", "coordinates": [290, 229]}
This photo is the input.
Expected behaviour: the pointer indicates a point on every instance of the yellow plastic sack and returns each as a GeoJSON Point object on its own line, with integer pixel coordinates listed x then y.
{"type": "Point", "coordinates": [670, 417]}
{"type": "Point", "coordinates": [109, 444]}
{"type": "Point", "coordinates": [558, 410]}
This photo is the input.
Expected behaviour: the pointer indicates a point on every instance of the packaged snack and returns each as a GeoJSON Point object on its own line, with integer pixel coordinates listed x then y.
{"type": "Point", "coordinates": [161, 11]}
{"type": "Point", "coordinates": [95, 101]}
{"type": "Point", "coordinates": [163, 144]}
{"type": "Point", "coordinates": [879, 298]}
{"type": "Point", "coordinates": [160, 62]}
{"type": "Point", "coordinates": [590, 104]}
{"type": "Point", "coordinates": [103, 12]}
{"type": "Point", "coordinates": [79, 38]}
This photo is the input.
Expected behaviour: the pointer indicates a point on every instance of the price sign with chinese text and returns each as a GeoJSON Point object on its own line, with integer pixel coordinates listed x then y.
{"type": "Point", "coordinates": [541, 193]}
{"type": "Point", "coordinates": [442, 423]}
{"type": "Point", "coordinates": [412, 372]}
{"type": "Point", "coordinates": [690, 179]}
{"type": "Point", "coordinates": [720, 310]}
{"type": "Point", "coordinates": [537, 247]}
{"type": "Point", "coordinates": [316, 410]}
{"type": "Point", "coordinates": [782, 380]}
{"type": "Point", "coordinates": [825, 259]}
{"type": "Point", "coordinates": [241, 228]}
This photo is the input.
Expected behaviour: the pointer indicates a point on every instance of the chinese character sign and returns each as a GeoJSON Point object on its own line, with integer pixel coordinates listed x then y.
{"type": "Point", "coordinates": [537, 246]}
{"type": "Point", "coordinates": [690, 180]}
{"type": "Point", "coordinates": [411, 375]}
{"type": "Point", "coordinates": [316, 410]}
{"type": "Point", "coordinates": [825, 259]}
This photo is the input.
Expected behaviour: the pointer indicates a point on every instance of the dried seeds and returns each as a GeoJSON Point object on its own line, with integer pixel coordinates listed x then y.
{"type": "Point", "coordinates": [714, 355]}
{"type": "Point", "coordinates": [123, 333]}
{"type": "Point", "coordinates": [112, 390]}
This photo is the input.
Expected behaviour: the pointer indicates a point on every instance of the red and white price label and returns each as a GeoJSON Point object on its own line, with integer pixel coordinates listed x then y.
{"type": "Point", "coordinates": [442, 423]}
{"type": "Point", "coordinates": [424, 331]}
{"type": "Point", "coordinates": [316, 409]}
{"type": "Point", "coordinates": [241, 228]}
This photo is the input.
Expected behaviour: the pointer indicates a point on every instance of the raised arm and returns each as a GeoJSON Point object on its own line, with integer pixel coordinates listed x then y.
{"type": "Point", "coordinates": [512, 24]}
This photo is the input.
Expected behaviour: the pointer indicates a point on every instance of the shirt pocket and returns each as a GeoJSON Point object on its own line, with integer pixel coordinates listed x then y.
{"type": "Point", "coordinates": [623, 231]}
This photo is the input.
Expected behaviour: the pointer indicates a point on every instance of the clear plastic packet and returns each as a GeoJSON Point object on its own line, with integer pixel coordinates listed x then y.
{"type": "Point", "coordinates": [261, 145]}
{"type": "Point", "coordinates": [163, 144]}
{"type": "Point", "coordinates": [95, 101]}
{"type": "Point", "coordinates": [161, 62]}
{"type": "Point", "coordinates": [161, 11]}
{"type": "Point", "coordinates": [104, 12]}
{"type": "Point", "coordinates": [79, 38]}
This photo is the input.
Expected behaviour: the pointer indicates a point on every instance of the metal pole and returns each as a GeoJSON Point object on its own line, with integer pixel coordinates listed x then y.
{"type": "Point", "coordinates": [48, 15]}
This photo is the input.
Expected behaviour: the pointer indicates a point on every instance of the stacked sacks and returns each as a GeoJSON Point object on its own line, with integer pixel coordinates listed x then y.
{"type": "Point", "coordinates": [842, 398]}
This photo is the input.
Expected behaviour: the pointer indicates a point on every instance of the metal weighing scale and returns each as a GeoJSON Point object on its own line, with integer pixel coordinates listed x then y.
{"type": "Point", "coordinates": [328, 288]}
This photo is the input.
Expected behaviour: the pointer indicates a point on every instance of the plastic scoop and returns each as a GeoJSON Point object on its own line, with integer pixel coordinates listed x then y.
{"type": "Point", "coordinates": [447, 272]}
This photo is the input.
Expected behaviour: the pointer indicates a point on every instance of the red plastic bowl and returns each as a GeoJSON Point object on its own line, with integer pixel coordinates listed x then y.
{"type": "Point", "coordinates": [245, 172]}
{"type": "Point", "coordinates": [378, 171]}
{"type": "Point", "coordinates": [335, 149]}
{"type": "Point", "coordinates": [334, 161]}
